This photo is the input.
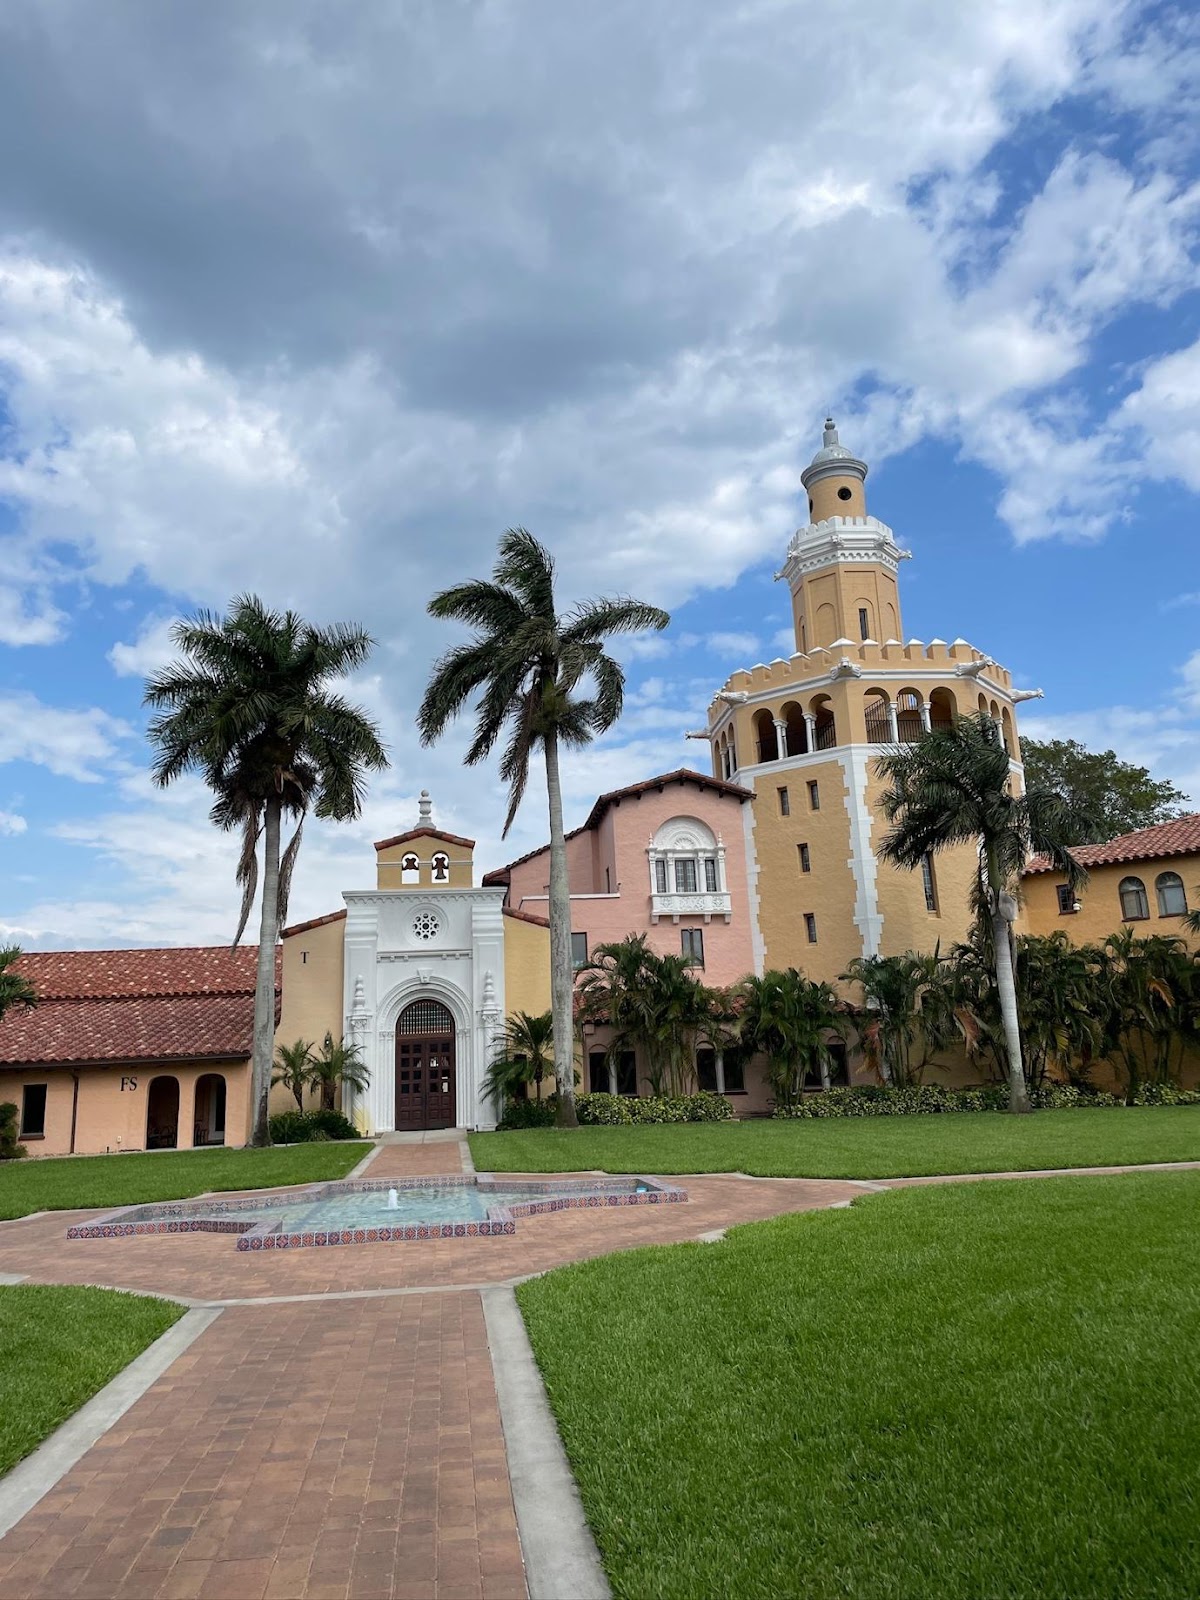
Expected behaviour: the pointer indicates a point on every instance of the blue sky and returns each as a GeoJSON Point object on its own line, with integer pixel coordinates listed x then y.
{"type": "Point", "coordinates": [315, 302]}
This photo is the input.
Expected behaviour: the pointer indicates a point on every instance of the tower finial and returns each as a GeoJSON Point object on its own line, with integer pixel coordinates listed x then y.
{"type": "Point", "coordinates": [425, 810]}
{"type": "Point", "coordinates": [830, 435]}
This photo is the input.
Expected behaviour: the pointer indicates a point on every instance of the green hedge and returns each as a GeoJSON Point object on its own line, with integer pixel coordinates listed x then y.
{"type": "Point", "coordinates": [305, 1127]}
{"type": "Point", "coordinates": [619, 1110]}
{"type": "Point", "coordinates": [868, 1100]}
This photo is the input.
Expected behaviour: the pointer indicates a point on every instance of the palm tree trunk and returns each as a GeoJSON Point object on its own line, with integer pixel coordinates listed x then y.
{"type": "Point", "coordinates": [264, 992]}
{"type": "Point", "coordinates": [562, 975]}
{"type": "Point", "coordinates": [1006, 989]}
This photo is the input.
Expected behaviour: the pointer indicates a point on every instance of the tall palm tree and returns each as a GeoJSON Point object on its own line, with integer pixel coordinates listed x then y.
{"type": "Point", "coordinates": [15, 990]}
{"type": "Point", "coordinates": [542, 680]}
{"type": "Point", "coordinates": [1153, 988]}
{"type": "Point", "coordinates": [251, 709]}
{"type": "Point", "coordinates": [793, 1022]}
{"type": "Point", "coordinates": [293, 1067]}
{"type": "Point", "coordinates": [524, 1054]}
{"type": "Point", "coordinates": [953, 787]}
{"type": "Point", "coordinates": [336, 1064]}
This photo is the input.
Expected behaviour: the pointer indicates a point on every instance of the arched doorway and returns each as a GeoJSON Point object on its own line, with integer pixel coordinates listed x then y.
{"type": "Point", "coordinates": [208, 1123]}
{"type": "Point", "coordinates": [162, 1114]}
{"type": "Point", "coordinates": [425, 1092]}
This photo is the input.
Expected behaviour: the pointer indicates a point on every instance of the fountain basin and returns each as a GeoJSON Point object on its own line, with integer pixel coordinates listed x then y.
{"type": "Point", "coordinates": [362, 1212]}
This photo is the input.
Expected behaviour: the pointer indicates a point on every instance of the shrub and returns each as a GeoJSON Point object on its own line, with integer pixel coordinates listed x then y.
{"type": "Point", "coordinates": [1164, 1094]}
{"type": "Point", "coordinates": [620, 1110]}
{"type": "Point", "coordinates": [303, 1127]}
{"type": "Point", "coordinates": [529, 1113]}
{"type": "Point", "coordinates": [10, 1150]}
{"type": "Point", "coordinates": [868, 1100]}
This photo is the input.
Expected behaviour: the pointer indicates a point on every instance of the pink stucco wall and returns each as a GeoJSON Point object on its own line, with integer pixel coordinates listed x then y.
{"type": "Point", "coordinates": [619, 843]}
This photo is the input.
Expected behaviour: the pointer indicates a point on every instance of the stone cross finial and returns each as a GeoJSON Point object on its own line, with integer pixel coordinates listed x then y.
{"type": "Point", "coordinates": [425, 810]}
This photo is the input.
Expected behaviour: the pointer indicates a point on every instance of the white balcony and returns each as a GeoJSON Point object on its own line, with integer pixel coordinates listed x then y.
{"type": "Point", "coordinates": [706, 905]}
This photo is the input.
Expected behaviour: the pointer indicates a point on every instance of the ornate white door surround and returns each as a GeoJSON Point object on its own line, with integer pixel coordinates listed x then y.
{"type": "Point", "coordinates": [440, 944]}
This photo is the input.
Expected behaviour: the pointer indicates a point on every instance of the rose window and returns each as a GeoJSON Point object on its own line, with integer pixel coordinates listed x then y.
{"type": "Point", "coordinates": [426, 925]}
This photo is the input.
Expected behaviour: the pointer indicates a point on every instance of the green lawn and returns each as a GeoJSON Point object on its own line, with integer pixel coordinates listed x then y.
{"type": "Point", "coordinates": [970, 1392]}
{"type": "Point", "coordinates": [858, 1147]}
{"type": "Point", "coordinates": [57, 1347]}
{"type": "Point", "coordinates": [132, 1179]}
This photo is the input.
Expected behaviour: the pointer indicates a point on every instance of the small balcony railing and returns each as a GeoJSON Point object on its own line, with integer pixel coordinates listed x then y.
{"type": "Point", "coordinates": [701, 903]}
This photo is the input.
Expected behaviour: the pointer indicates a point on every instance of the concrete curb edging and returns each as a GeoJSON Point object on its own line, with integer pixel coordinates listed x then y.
{"type": "Point", "coordinates": [466, 1160]}
{"type": "Point", "coordinates": [560, 1554]}
{"type": "Point", "coordinates": [34, 1477]}
{"type": "Point", "coordinates": [357, 1170]}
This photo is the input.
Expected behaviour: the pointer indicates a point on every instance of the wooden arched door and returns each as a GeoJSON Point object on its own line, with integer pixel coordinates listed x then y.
{"type": "Point", "coordinates": [425, 1092]}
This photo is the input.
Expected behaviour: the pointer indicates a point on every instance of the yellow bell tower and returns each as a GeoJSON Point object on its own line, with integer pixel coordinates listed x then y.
{"type": "Point", "coordinates": [842, 567]}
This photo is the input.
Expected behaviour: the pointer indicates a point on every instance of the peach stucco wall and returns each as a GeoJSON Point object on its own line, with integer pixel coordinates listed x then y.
{"type": "Point", "coordinates": [620, 844]}
{"type": "Point", "coordinates": [110, 1117]}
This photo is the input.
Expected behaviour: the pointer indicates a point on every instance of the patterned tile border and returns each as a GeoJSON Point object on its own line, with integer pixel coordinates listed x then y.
{"type": "Point", "coordinates": [222, 1216]}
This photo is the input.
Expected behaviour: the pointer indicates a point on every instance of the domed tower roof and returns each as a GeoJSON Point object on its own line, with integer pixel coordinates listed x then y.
{"type": "Point", "coordinates": [833, 460]}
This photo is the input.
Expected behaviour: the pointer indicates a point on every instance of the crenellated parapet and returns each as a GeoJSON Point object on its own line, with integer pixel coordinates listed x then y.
{"type": "Point", "coordinates": [848, 658]}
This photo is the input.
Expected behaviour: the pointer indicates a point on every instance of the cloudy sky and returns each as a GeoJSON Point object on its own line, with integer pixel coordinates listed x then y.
{"type": "Point", "coordinates": [315, 301]}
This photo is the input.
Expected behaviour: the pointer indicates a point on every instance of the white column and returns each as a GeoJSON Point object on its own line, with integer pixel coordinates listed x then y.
{"type": "Point", "coordinates": [720, 1072]}
{"type": "Point", "coordinates": [925, 723]}
{"type": "Point", "coordinates": [780, 739]}
{"type": "Point", "coordinates": [893, 722]}
{"type": "Point", "coordinates": [810, 729]}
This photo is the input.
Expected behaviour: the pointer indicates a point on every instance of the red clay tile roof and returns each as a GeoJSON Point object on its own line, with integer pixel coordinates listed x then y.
{"type": "Point", "coordinates": [135, 1005]}
{"type": "Point", "coordinates": [682, 775]}
{"type": "Point", "coordinates": [426, 833]}
{"type": "Point", "coordinates": [313, 922]}
{"type": "Point", "coordinates": [525, 916]}
{"type": "Point", "coordinates": [1179, 837]}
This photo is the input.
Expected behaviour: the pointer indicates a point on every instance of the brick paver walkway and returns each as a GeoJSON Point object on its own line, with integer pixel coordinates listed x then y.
{"type": "Point", "coordinates": [342, 1447]}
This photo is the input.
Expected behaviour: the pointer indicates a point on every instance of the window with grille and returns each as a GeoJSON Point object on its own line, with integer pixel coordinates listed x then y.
{"type": "Point", "coordinates": [1134, 905]}
{"type": "Point", "coordinates": [710, 874]}
{"type": "Point", "coordinates": [692, 940]}
{"type": "Point", "coordinates": [814, 797]}
{"type": "Point", "coordinates": [805, 858]}
{"type": "Point", "coordinates": [660, 876]}
{"type": "Point", "coordinates": [685, 877]}
{"type": "Point", "coordinates": [1172, 898]}
{"type": "Point", "coordinates": [810, 927]}
{"type": "Point", "coordinates": [425, 1016]}
{"type": "Point", "coordinates": [785, 804]}
{"type": "Point", "coordinates": [1066, 899]}
{"type": "Point", "coordinates": [578, 949]}
{"type": "Point", "coordinates": [928, 883]}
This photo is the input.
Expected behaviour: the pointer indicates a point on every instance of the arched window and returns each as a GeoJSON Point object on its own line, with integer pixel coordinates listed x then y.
{"type": "Point", "coordinates": [797, 733]}
{"type": "Point", "coordinates": [942, 709]}
{"type": "Point", "coordinates": [1134, 905]}
{"type": "Point", "coordinates": [875, 710]}
{"type": "Point", "coordinates": [1172, 901]}
{"type": "Point", "coordinates": [410, 869]}
{"type": "Point", "coordinates": [441, 867]}
{"type": "Point", "coordinates": [825, 728]}
{"type": "Point", "coordinates": [686, 858]}
{"type": "Point", "coordinates": [766, 744]}
{"type": "Point", "coordinates": [1006, 728]}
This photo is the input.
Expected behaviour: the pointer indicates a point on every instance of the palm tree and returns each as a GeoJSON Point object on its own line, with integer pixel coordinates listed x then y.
{"type": "Point", "coordinates": [792, 1021]}
{"type": "Point", "coordinates": [1153, 988]}
{"type": "Point", "coordinates": [251, 709]}
{"type": "Point", "coordinates": [953, 787]}
{"type": "Point", "coordinates": [1061, 992]}
{"type": "Point", "coordinates": [15, 990]}
{"type": "Point", "coordinates": [334, 1066]}
{"type": "Point", "coordinates": [895, 989]}
{"type": "Point", "coordinates": [293, 1068]}
{"type": "Point", "coordinates": [542, 680]}
{"type": "Point", "coordinates": [524, 1054]}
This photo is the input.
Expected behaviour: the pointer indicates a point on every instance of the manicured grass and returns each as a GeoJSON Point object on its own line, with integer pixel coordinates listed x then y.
{"type": "Point", "coordinates": [132, 1179]}
{"type": "Point", "coordinates": [57, 1347]}
{"type": "Point", "coordinates": [858, 1147]}
{"type": "Point", "coordinates": [969, 1391]}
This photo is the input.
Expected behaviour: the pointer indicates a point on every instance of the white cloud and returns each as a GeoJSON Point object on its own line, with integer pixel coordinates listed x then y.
{"type": "Point", "coordinates": [71, 744]}
{"type": "Point", "coordinates": [11, 824]}
{"type": "Point", "coordinates": [152, 649]}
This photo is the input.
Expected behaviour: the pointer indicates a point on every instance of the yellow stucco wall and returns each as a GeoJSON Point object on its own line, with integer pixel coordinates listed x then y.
{"type": "Point", "coordinates": [114, 1100]}
{"type": "Point", "coordinates": [526, 966]}
{"type": "Point", "coordinates": [1101, 904]}
{"type": "Point", "coordinates": [312, 993]}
